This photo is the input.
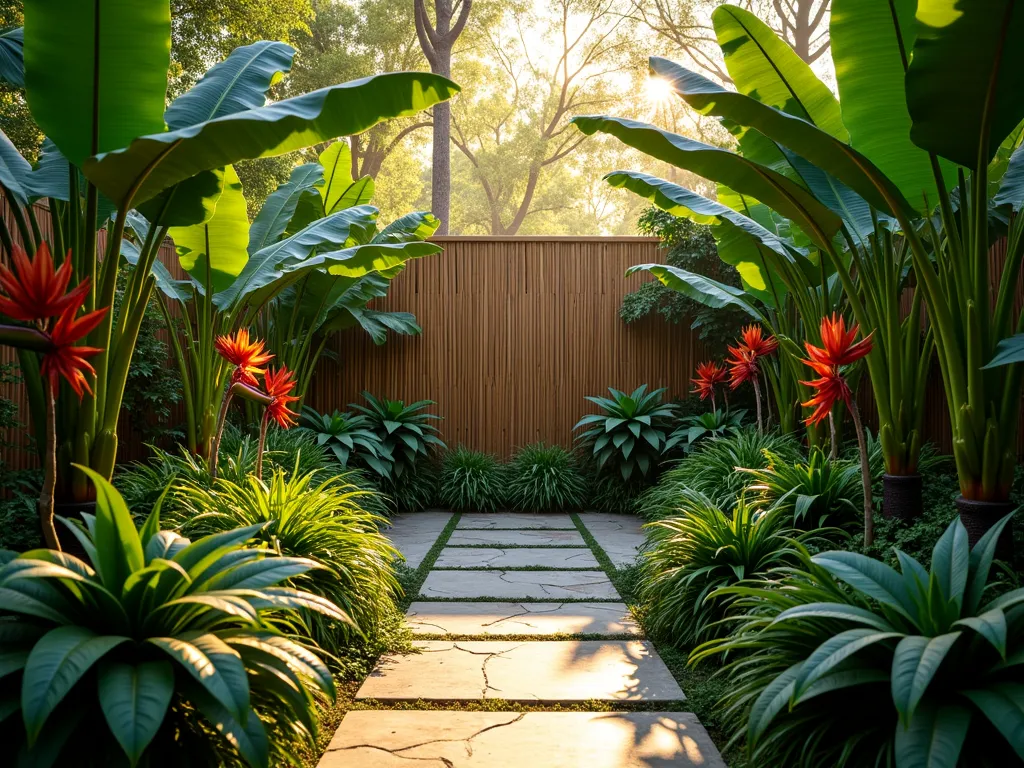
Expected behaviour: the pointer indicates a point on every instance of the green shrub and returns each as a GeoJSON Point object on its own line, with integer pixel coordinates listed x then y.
{"type": "Point", "coordinates": [700, 550]}
{"type": "Point", "coordinates": [693, 429]}
{"type": "Point", "coordinates": [405, 430]}
{"type": "Point", "coordinates": [471, 481]}
{"type": "Point", "coordinates": [325, 522]}
{"type": "Point", "coordinates": [610, 493]}
{"type": "Point", "coordinates": [156, 649]}
{"type": "Point", "coordinates": [19, 512]}
{"type": "Point", "coordinates": [544, 478]}
{"type": "Point", "coordinates": [350, 439]}
{"type": "Point", "coordinates": [848, 662]}
{"type": "Point", "coordinates": [629, 434]}
{"type": "Point", "coordinates": [814, 493]}
{"type": "Point", "coordinates": [417, 489]}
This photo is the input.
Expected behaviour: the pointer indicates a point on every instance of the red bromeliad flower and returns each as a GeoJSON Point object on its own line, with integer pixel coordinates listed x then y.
{"type": "Point", "coordinates": [742, 366]}
{"type": "Point", "coordinates": [709, 375]}
{"type": "Point", "coordinates": [839, 348]}
{"type": "Point", "coordinates": [244, 354]}
{"type": "Point", "coordinates": [67, 360]}
{"type": "Point", "coordinates": [34, 291]}
{"type": "Point", "coordinates": [829, 389]}
{"type": "Point", "coordinates": [754, 341]}
{"type": "Point", "coordinates": [279, 384]}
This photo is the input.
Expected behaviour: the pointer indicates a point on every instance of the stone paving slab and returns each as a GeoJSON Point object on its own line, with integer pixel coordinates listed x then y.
{"type": "Point", "coordinates": [397, 739]}
{"type": "Point", "coordinates": [483, 538]}
{"type": "Point", "coordinates": [512, 520]}
{"type": "Point", "coordinates": [415, 533]}
{"type": "Point", "coordinates": [520, 619]}
{"type": "Point", "coordinates": [620, 536]}
{"type": "Point", "coordinates": [488, 557]}
{"type": "Point", "coordinates": [516, 585]}
{"type": "Point", "coordinates": [540, 671]}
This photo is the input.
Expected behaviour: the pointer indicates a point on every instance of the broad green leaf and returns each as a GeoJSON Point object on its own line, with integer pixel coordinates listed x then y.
{"type": "Point", "coordinates": [840, 199]}
{"type": "Point", "coordinates": [250, 738]}
{"type": "Point", "coordinates": [215, 665]}
{"type": "Point", "coordinates": [377, 323]}
{"type": "Point", "coordinates": [1011, 188]}
{"type": "Point", "coordinates": [1009, 350]}
{"type": "Point", "coordinates": [134, 700]}
{"type": "Point", "coordinates": [160, 160]}
{"type": "Point", "coordinates": [50, 176]}
{"type": "Point", "coordinates": [768, 69]}
{"type": "Point", "coordinates": [272, 220]}
{"type": "Point", "coordinates": [835, 611]}
{"type": "Point", "coordinates": [950, 558]}
{"type": "Point", "coordinates": [771, 188]}
{"type": "Point", "coordinates": [813, 144]}
{"type": "Point", "coordinates": [871, 44]}
{"type": "Point", "coordinates": [118, 547]}
{"type": "Point", "coordinates": [773, 699]}
{"type": "Point", "coordinates": [701, 289]}
{"type": "Point", "coordinates": [934, 737]}
{"type": "Point", "coordinates": [916, 661]}
{"type": "Point", "coordinates": [1003, 704]}
{"type": "Point", "coordinates": [214, 252]}
{"type": "Point", "coordinates": [413, 226]}
{"type": "Point", "coordinates": [191, 202]}
{"type": "Point", "coordinates": [982, 555]}
{"type": "Point", "coordinates": [14, 170]}
{"type": "Point", "coordinates": [833, 652]}
{"type": "Point", "coordinates": [991, 625]}
{"type": "Point", "coordinates": [238, 83]}
{"type": "Point", "coordinates": [12, 57]}
{"type": "Point", "coordinates": [965, 83]}
{"type": "Point", "coordinates": [340, 190]}
{"type": "Point", "coordinates": [262, 573]}
{"type": "Point", "coordinates": [56, 664]}
{"type": "Point", "coordinates": [872, 577]}
{"type": "Point", "coordinates": [96, 72]}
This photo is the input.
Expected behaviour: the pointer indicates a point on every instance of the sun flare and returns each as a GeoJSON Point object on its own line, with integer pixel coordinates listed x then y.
{"type": "Point", "coordinates": [657, 91]}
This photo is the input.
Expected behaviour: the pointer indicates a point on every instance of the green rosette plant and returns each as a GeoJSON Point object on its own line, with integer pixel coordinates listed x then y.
{"type": "Point", "coordinates": [406, 431]}
{"type": "Point", "coordinates": [350, 438]}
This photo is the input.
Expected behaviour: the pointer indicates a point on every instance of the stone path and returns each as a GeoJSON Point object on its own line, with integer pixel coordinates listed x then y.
{"type": "Point", "coordinates": [516, 608]}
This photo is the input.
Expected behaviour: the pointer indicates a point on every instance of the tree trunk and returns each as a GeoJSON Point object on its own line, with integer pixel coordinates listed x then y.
{"type": "Point", "coordinates": [441, 172]}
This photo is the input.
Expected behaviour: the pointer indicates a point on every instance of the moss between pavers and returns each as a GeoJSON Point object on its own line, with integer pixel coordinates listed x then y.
{"type": "Point", "coordinates": [512, 568]}
{"type": "Point", "coordinates": [518, 546]}
{"type": "Point", "coordinates": [422, 599]}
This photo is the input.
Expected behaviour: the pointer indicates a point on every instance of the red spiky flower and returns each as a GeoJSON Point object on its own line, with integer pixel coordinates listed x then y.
{"type": "Point", "coordinates": [709, 375]}
{"type": "Point", "coordinates": [742, 366]}
{"type": "Point", "coordinates": [64, 358]}
{"type": "Point", "coordinates": [754, 340]}
{"type": "Point", "coordinates": [279, 384]}
{"type": "Point", "coordinates": [246, 355]}
{"type": "Point", "coordinates": [837, 343]}
{"type": "Point", "coordinates": [34, 290]}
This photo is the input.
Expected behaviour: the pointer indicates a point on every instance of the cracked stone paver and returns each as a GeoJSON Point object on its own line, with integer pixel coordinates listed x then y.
{"type": "Point", "coordinates": [517, 585]}
{"type": "Point", "coordinates": [414, 534]}
{"type": "Point", "coordinates": [620, 536]}
{"type": "Point", "coordinates": [537, 671]}
{"type": "Point", "coordinates": [487, 557]}
{"type": "Point", "coordinates": [482, 521]}
{"type": "Point", "coordinates": [482, 538]}
{"type": "Point", "coordinates": [433, 739]}
{"type": "Point", "coordinates": [441, 618]}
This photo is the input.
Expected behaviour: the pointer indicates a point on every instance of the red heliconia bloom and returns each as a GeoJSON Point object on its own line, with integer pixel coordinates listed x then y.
{"type": "Point", "coordinates": [244, 354]}
{"type": "Point", "coordinates": [33, 291]}
{"type": "Point", "coordinates": [709, 375]}
{"type": "Point", "coordinates": [64, 358]}
{"type": "Point", "coordinates": [830, 388]}
{"type": "Point", "coordinates": [742, 366]}
{"type": "Point", "coordinates": [837, 342]}
{"type": "Point", "coordinates": [279, 384]}
{"type": "Point", "coordinates": [754, 340]}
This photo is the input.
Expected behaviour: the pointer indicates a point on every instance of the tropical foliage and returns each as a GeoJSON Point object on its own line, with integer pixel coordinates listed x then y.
{"type": "Point", "coordinates": [629, 434]}
{"type": "Point", "coordinates": [157, 650]}
{"type": "Point", "coordinates": [350, 438]}
{"type": "Point", "coordinates": [471, 481]}
{"type": "Point", "coordinates": [405, 430]}
{"type": "Point", "coordinates": [693, 429]}
{"type": "Point", "coordinates": [545, 478]}
{"type": "Point", "coordinates": [846, 661]}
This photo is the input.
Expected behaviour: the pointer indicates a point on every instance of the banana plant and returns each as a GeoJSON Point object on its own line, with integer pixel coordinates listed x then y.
{"type": "Point", "coordinates": [114, 151]}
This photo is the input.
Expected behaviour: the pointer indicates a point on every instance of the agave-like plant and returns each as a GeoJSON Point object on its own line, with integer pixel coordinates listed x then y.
{"type": "Point", "coordinates": [717, 423]}
{"type": "Point", "coordinates": [847, 662]}
{"type": "Point", "coordinates": [810, 492]}
{"type": "Point", "coordinates": [350, 438]}
{"type": "Point", "coordinates": [631, 429]}
{"type": "Point", "coordinates": [703, 548]}
{"type": "Point", "coordinates": [405, 430]}
{"type": "Point", "coordinates": [153, 645]}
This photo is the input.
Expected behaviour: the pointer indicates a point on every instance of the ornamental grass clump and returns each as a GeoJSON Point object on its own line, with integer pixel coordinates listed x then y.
{"type": "Point", "coordinates": [845, 661]}
{"type": "Point", "coordinates": [545, 478]}
{"type": "Point", "coordinates": [157, 650]}
{"type": "Point", "coordinates": [471, 481]}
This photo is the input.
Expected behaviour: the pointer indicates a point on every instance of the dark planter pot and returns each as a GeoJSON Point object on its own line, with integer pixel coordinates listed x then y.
{"type": "Point", "coordinates": [72, 512]}
{"type": "Point", "coordinates": [902, 496]}
{"type": "Point", "coordinates": [979, 516]}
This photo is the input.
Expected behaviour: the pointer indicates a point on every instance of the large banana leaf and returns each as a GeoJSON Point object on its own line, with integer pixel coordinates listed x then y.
{"type": "Point", "coordinates": [847, 204]}
{"type": "Point", "coordinates": [238, 83]}
{"type": "Point", "coordinates": [418, 225]}
{"type": "Point", "coordinates": [96, 72]}
{"type": "Point", "coordinates": [708, 292]}
{"type": "Point", "coordinates": [377, 323]}
{"type": "Point", "coordinates": [14, 170]}
{"type": "Point", "coordinates": [155, 162]}
{"type": "Point", "coordinates": [215, 250]}
{"type": "Point", "coordinates": [767, 69]}
{"type": "Point", "coordinates": [12, 57]}
{"type": "Point", "coordinates": [1011, 188]}
{"type": "Point", "coordinates": [340, 190]}
{"type": "Point", "coordinates": [268, 264]}
{"type": "Point", "coordinates": [272, 220]}
{"type": "Point", "coordinates": [735, 171]}
{"type": "Point", "coordinates": [808, 141]}
{"type": "Point", "coordinates": [50, 176]}
{"type": "Point", "coordinates": [871, 42]}
{"type": "Point", "coordinates": [965, 84]}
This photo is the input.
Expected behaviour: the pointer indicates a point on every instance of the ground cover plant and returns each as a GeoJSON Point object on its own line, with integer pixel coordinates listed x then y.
{"type": "Point", "coordinates": [471, 481]}
{"type": "Point", "coordinates": [157, 649]}
{"type": "Point", "coordinates": [545, 478]}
